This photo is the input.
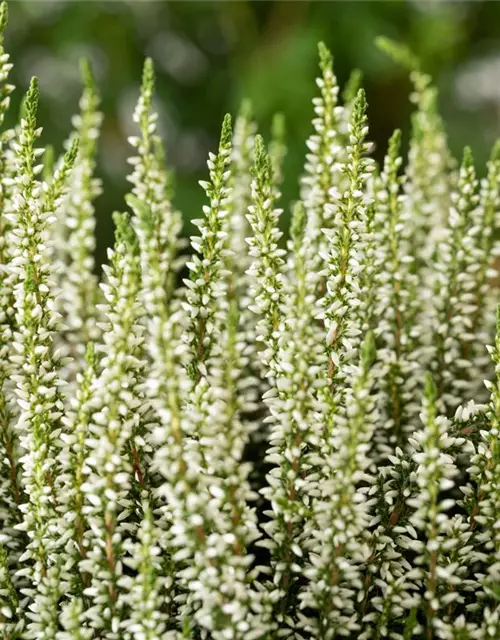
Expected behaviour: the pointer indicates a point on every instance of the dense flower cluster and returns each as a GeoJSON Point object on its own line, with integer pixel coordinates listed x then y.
{"type": "Point", "coordinates": [269, 439]}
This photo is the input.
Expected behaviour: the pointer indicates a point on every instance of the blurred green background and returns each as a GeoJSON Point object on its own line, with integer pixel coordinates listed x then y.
{"type": "Point", "coordinates": [211, 55]}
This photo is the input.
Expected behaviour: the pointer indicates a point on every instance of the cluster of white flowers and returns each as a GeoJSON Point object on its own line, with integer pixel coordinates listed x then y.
{"type": "Point", "coordinates": [275, 438]}
{"type": "Point", "coordinates": [73, 236]}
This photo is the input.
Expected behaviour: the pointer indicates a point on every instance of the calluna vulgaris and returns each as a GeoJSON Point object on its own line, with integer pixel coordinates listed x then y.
{"type": "Point", "coordinates": [287, 442]}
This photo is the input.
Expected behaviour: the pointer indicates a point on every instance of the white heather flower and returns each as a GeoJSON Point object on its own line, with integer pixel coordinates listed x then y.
{"type": "Point", "coordinates": [10, 485]}
{"type": "Point", "coordinates": [10, 612]}
{"type": "Point", "coordinates": [212, 523]}
{"type": "Point", "coordinates": [207, 285]}
{"type": "Point", "coordinates": [428, 185]}
{"type": "Point", "coordinates": [322, 171]}
{"type": "Point", "coordinates": [490, 627]}
{"type": "Point", "coordinates": [143, 592]}
{"type": "Point", "coordinates": [79, 288]}
{"type": "Point", "coordinates": [113, 467]}
{"type": "Point", "coordinates": [454, 288]}
{"type": "Point", "coordinates": [435, 475]}
{"type": "Point", "coordinates": [338, 527]}
{"type": "Point", "coordinates": [240, 194]}
{"type": "Point", "coordinates": [71, 620]}
{"type": "Point", "coordinates": [36, 374]}
{"type": "Point", "coordinates": [293, 429]}
{"type": "Point", "coordinates": [267, 266]}
{"type": "Point", "coordinates": [396, 307]}
{"type": "Point", "coordinates": [485, 472]}
{"type": "Point", "coordinates": [219, 528]}
{"type": "Point", "coordinates": [340, 308]}
{"type": "Point", "coordinates": [205, 308]}
{"type": "Point", "coordinates": [481, 271]}
{"type": "Point", "coordinates": [238, 260]}
{"type": "Point", "coordinates": [158, 227]}
{"type": "Point", "coordinates": [73, 521]}
{"type": "Point", "coordinates": [156, 223]}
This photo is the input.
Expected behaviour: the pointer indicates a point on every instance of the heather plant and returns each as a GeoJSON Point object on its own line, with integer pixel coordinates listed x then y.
{"type": "Point", "coordinates": [268, 434]}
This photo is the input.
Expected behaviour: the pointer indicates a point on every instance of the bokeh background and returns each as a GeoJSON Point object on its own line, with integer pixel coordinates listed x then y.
{"type": "Point", "coordinates": [210, 55]}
